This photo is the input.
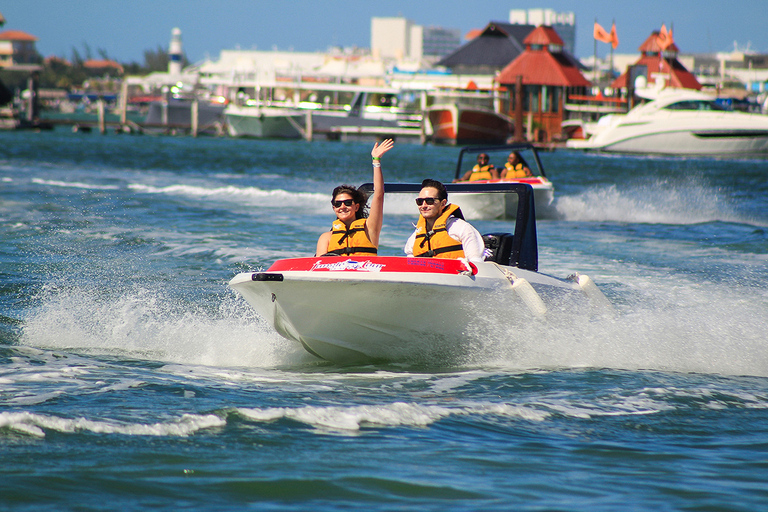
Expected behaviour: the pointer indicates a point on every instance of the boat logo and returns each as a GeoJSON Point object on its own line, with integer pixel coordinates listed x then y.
{"type": "Point", "coordinates": [360, 266]}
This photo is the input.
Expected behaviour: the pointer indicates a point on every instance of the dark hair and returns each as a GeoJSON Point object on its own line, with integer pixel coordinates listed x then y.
{"type": "Point", "coordinates": [358, 196]}
{"type": "Point", "coordinates": [441, 192]}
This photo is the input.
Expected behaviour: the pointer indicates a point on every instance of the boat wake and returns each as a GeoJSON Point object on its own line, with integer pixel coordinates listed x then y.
{"type": "Point", "coordinates": [657, 203]}
{"type": "Point", "coordinates": [144, 324]}
{"type": "Point", "coordinates": [660, 324]}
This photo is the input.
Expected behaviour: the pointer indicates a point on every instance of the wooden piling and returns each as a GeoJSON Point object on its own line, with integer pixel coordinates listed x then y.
{"type": "Point", "coordinates": [195, 116]}
{"type": "Point", "coordinates": [308, 127]}
{"type": "Point", "coordinates": [100, 110]}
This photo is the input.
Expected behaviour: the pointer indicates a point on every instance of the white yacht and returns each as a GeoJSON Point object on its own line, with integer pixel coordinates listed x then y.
{"type": "Point", "coordinates": [679, 122]}
{"type": "Point", "coordinates": [295, 110]}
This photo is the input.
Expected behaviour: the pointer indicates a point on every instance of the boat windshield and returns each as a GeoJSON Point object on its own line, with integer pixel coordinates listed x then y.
{"type": "Point", "coordinates": [694, 105]}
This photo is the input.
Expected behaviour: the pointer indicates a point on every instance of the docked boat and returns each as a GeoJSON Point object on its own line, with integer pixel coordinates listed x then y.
{"type": "Point", "coordinates": [427, 310]}
{"type": "Point", "coordinates": [483, 205]}
{"type": "Point", "coordinates": [304, 109]}
{"type": "Point", "coordinates": [264, 122]}
{"type": "Point", "coordinates": [467, 117]}
{"type": "Point", "coordinates": [176, 113]}
{"type": "Point", "coordinates": [679, 122]}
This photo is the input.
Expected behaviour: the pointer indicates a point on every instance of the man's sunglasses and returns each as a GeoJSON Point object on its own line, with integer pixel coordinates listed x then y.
{"type": "Point", "coordinates": [429, 200]}
{"type": "Point", "coordinates": [345, 202]}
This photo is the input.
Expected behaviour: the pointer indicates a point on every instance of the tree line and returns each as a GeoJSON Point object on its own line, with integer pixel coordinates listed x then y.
{"type": "Point", "coordinates": [63, 73]}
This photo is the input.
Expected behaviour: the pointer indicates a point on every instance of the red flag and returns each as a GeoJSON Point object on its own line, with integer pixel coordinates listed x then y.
{"type": "Point", "coordinates": [614, 37]}
{"type": "Point", "coordinates": [601, 35]}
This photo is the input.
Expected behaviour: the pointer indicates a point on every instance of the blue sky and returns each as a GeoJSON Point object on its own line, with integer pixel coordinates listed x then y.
{"type": "Point", "coordinates": [124, 29]}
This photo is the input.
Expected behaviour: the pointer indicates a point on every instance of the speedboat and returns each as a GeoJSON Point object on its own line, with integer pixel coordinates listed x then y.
{"type": "Point", "coordinates": [680, 122]}
{"type": "Point", "coordinates": [481, 205]}
{"type": "Point", "coordinates": [423, 310]}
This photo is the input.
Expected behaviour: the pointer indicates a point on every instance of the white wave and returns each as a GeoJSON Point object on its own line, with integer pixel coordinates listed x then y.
{"type": "Point", "coordinates": [660, 203]}
{"type": "Point", "coordinates": [36, 425]}
{"type": "Point", "coordinates": [146, 324]}
{"type": "Point", "coordinates": [352, 419]}
{"type": "Point", "coordinates": [247, 195]}
{"type": "Point", "coordinates": [74, 184]}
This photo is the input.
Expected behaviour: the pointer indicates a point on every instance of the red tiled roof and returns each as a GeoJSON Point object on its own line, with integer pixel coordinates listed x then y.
{"type": "Point", "coordinates": [679, 76]}
{"type": "Point", "coordinates": [651, 45]}
{"type": "Point", "coordinates": [16, 35]}
{"type": "Point", "coordinates": [540, 67]}
{"type": "Point", "coordinates": [101, 64]}
{"type": "Point", "coordinates": [475, 32]}
{"type": "Point", "coordinates": [543, 35]}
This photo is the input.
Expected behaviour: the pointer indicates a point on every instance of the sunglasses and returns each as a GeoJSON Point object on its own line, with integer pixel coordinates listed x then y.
{"type": "Point", "coordinates": [345, 202]}
{"type": "Point", "coordinates": [429, 200]}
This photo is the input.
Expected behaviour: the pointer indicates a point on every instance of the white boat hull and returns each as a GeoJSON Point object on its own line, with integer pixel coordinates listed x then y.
{"type": "Point", "coordinates": [690, 143]}
{"type": "Point", "coordinates": [263, 122]}
{"type": "Point", "coordinates": [355, 315]}
{"type": "Point", "coordinates": [662, 127]}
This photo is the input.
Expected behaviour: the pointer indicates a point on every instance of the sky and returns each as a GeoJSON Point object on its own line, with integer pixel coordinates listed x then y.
{"type": "Point", "coordinates": [124, 29]}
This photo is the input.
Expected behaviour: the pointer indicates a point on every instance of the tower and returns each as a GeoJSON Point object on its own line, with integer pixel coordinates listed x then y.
{"type": "Point", "coordinates": [175, 53]}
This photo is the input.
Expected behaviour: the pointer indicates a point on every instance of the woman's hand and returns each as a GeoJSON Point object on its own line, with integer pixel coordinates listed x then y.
{"type": "Point", "coordinates": [381, 148]}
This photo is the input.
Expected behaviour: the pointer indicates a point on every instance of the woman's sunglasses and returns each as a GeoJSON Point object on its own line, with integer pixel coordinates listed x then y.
{"type": "Point", "coordinates": [429, 200]}
{"type": "Point", "coordinates": [345, 202]}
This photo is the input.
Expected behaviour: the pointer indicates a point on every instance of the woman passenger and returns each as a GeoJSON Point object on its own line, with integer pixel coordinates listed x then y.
{"type": "Point", "coordinates": [355, 232]}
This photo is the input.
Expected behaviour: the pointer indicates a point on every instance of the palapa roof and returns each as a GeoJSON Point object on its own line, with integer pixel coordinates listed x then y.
{"type": "Point", "coordinates": [661, 61]}
{"type": "Point", "coordinates": [540, 66]}
{"type": "Point", "coordinates": [497, 45]}
{"type": "Point", "coordinates": [16, 35]}
{"type": "Point", "coordinates": [651, 45]}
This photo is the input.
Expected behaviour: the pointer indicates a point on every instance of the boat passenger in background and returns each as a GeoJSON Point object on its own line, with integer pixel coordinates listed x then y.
{"type": "Point", "coordinates": [515, 168]}
{"type": "Point", "coordinates": [482, 171]}
{"type": "Point", "coordinates": [441, 231]}
{"type": "Point", "coordinates": [355, 232]}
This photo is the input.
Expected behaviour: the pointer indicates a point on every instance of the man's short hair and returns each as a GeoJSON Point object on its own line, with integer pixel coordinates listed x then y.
{"type": "Point", "coordinates": [441, 192]}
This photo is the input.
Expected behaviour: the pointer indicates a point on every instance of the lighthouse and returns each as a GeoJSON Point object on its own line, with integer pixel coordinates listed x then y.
{"type": "Point", "coordinates": [174, 53]}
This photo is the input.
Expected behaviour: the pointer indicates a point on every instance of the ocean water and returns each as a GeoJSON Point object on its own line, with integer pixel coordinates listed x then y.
{"type": "Point", "coordinates": [133, 378]}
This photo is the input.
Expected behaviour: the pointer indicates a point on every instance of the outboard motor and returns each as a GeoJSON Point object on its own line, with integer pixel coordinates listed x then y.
{"type": "Point", "coordinates": [500, 247]}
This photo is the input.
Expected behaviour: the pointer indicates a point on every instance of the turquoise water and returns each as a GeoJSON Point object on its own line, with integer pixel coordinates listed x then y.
{"type": "Point", "coordinates": [132, 378]}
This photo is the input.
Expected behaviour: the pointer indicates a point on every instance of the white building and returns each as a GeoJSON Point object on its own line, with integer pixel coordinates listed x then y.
{"type": "Point", "coordinates": [401, 39]}
{"type": "Point", "coordinates": [564, 23]}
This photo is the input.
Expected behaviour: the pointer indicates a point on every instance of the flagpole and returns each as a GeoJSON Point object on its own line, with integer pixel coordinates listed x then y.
{"type": "Point", "coordinates": [611, 43]}
{"type": "Point", "coordinates": [595, 58]}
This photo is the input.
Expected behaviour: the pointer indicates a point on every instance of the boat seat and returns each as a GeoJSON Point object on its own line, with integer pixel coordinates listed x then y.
{"type": "Point", "coordinates": [500, 247]}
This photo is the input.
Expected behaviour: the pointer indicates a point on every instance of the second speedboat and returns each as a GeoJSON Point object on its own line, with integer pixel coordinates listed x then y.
{"type": "Point", "coordinates": [485, 205]}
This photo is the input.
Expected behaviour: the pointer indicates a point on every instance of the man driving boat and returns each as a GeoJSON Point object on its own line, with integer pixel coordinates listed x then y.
{"type": "Point", "coordinates": [441, 231]}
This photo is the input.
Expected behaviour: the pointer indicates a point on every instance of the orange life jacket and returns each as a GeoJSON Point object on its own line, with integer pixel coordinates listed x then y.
{"type": "Point", "coordinates": [481, 172]}
{"type": "Point", "coordinates": [438, 243]}
{"type": "Point", "coordinates": [516, 171]}
{"type": "Point", "coordinates": [350, 241]}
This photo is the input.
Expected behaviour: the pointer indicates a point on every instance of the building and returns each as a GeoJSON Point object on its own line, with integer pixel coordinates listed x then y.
{"type": "Point", "coordinates": [548, 75]}
{"type": "Point", "coordinates": [17, 48]}
{"type": "Point", "coordinates": [401, 39]}
{"type": "Point", "coordinates": [657, 64]}
{"type": "Point", "coordinates": [439, 41]}
{"type": "Point", "coordinates": [494, 47]}
{"type": "Point", "coordinates": [563, 22]}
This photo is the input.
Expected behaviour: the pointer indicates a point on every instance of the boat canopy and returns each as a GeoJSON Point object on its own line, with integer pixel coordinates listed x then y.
{"type": "Point", "coordinates": [525, 252]}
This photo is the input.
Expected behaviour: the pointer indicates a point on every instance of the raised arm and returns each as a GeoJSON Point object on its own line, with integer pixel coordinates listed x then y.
{"type": "Point", "coordinates": [376, 209]}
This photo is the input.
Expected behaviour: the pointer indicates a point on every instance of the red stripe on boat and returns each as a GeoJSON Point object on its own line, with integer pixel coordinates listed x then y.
{"type": "Point", "coordinates": [369, 264]}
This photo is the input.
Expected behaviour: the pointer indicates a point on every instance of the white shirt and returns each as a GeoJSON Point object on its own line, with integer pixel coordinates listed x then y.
{"type": "Point", "coordinates": [461, 231]}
